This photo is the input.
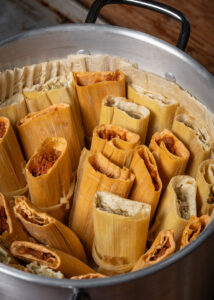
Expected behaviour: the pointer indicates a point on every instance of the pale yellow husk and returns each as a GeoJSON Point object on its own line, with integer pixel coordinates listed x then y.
{"type": "Point", "coordinates": [120, 232]}
{"type": "Point", "coordinates": [88, 276]}
{"type": "Point", "coordinates": [120, 112]}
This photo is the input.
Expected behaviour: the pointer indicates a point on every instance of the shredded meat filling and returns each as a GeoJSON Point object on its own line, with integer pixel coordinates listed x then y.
{"type": "Point", "coordinates": [31, 219]}
{"type": "Point", "coordinates": [151, 169]}
{"type": "Point", "coordinates": [38, 254]}
{"type": "Point", "coordinates": [84, 80]}
{"type": "Point", "coordinates": [169, 143]}
{"type": "Point", "coordinates": [3, 221]}
{"type": "Point", "coordinates": [2, 129]}
{"type": "Point", "coordinates": [108, 134]}
{"type": "Point", "coordinates": [160, 251]}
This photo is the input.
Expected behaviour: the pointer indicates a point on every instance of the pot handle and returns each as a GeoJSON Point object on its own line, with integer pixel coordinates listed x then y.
{"type": "Point", "coordinates": [152, 5]}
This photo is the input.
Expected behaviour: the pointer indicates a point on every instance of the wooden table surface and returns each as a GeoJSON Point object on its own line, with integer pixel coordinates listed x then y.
{"type": "Point", "coordinates": [17, 16]}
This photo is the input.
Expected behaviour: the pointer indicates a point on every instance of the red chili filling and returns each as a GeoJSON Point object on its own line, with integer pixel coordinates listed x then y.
{"type": "Point", "coordinates": [169, 143]}
{"type": "Point", "coordinates": [3, 221]}
{"type": "Point", "coordinates": [160, 251]}
{"type": "Point", "coordinates": [38, 254]}
{"type": "Point", "coordinates": [32, 220]}
{"type": "Point", "coordinates": [2, 129]}
{"type": "Point", "coordinates": [109, 134]}
{"type": "Point", "coordinates": [87, 79]}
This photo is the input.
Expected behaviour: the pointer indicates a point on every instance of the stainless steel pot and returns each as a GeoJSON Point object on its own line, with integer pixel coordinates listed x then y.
{"type": "Point", "coordinates": [189, 273]}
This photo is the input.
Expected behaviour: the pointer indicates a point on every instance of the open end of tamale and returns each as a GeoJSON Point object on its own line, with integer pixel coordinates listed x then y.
{"type": "Point", "coordinates": [160, 250]}
{"type": "Point", "coordinates": [31, 216]}
{"type": "Point", "coordinates": [89, 78]}
{"type": "Point", "coordinates": [3, 128]}
{"type": "Point", "coordinates": [4, 226]}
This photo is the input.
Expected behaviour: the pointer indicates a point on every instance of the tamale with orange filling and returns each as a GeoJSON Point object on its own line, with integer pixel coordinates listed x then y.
{"type": "Point", "coordinates": [12, 179]}
{"type": "Point", "coordinates": [147, 185]}
{"type": "Point", "coordinates": [91, 88]}
{"type": "Point", "coordinates": [99, 174]}
{"type": "Point", "coordinates": [52, 258]}
{"type": "Point", "coordinates": [115, 142]}
{"type": "Point", "coordinates": [193, 228]}
{"type": "Point", "coordinates": [162, 247]}
{"type": "Point", "coordinates": [54, 121]}
{"type": "Point", "coordinates": [170, 154]}
{"type": "Point", "coordinates": [89, 276]}
{"type": "Point", "coordinates": [47, 229]}
{"type": "Point", "coordinates": [120, 232]}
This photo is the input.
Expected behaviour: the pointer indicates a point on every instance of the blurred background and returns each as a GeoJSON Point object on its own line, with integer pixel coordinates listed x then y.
{"type": "Point", "coordinates": [20, 15]}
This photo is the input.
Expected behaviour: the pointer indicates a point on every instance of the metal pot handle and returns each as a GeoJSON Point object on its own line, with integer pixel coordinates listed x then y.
{"type": "Point", "coordinates": [152, 5]}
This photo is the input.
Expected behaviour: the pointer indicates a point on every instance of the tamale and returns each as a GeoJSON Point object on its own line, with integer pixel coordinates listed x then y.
{"type": "Point", "coordinates": [12, 179]}
{"type": "Point", "coordinates": [49, 174]}
{"type": "Point", "coordinates": [193, 228]}
{"type": "Point", "coordinates": [118, 111]}
{"type": "Point", "coordinates": [177, 205]}
{"type": "Point", "coordinates": [89, 276]}
{"type": "Point", "coordinates": [50, 257]}
{"type": "Point", "coordinates": [46, 229]}
{"type": "Point", "coordinates": [162, 247]}
{"type": "Point", "coordinates": [54, 121]}
{"type": "Point", "coordinates": [170, 154]}
{"type": "Point", "coordinates": [162, 109]}
{"type": "Point", "coordinates": [194, 136]}
{"type": "Point", "coordinates": [205, 183]}
{"type": "Point", "coordinates": [42, 270]}
{"type": "Point", "coordinates": [10, 228]}
{"type": "Point", "coordinates": [91, 88]}
{"type": "Point", "coordinates": [98, 174]}
{"type": "Point", "coordinates": [120, 232]}
{"type": "Point", "coordinates": [147, 185]}
{"type": "Point", "coordinates": [116, 143]}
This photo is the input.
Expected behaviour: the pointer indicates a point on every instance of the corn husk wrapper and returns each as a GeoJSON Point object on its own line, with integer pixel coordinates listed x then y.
{"type": "Point", "coordinates": [47, 189]}
{"type": "Point", "coordinates": [147, 185]}
{"type": "Point", "coordinates": [205, 183]}
{"type": "Point", "coordinates": [170, 154]}
{"type": "Point", "coordinates": [162, 109]}
{"type": "Point", "coordinates": [14, 108]}
{"type": "Point", "coordinates": [54, 121]}
{"type": "Point", "coordinates": [193, 228]}
{"type": "Point", "coordinates": [46, 229]}
{"type": "Point", "coordinates": [50, 257]}
{"type": "Point", "coordinates": [120, 232]}
{"type": "Point", "coordinates": [88, 276]}
{"type": "Point", "coordinates": [60, 89]}
{"type": "Point", "coordinates": [12, 179]}
{"type": "Point", "coordinates": [118, 111]}
{"type": "Point", "coordinates": [177, 205]}
{"type": "Point", "coordinates": [98, 174]}
{"type": "Point", "coordinates": [116, 143]}
{"type": "Point", "coordinates": [10, 228]}
{"type": "Point", "coordinates": [91, 88]}
{"type": "Point", "coordinates": [42, 270]}
{"type": "Point", "coordinates": [195, 137]}
{"type": "Point", "coordinates": [162, 247]}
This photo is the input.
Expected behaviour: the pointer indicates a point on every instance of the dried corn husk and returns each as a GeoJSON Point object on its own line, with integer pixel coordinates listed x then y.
{"type": "Point", "coordinates": [205, 183]}
{"type": "Point", "coordinates": [54, 121]}
{"type": "Point", "coordinates": [147, 185]}
{"type": "Point", "coordinates": [195, 136]}
{"type": "Point", "coordinates": [193, 228]}
{"type": "Point", "coordinates": [12, 180]}
{"type": "Point", "coordinates": [177, 205]}
{"type": "Point", "coordinates": [162, 109]}
{"type": "Point", "coordinates": [162, 247]}
{"type": "Point", "coordinates": [10, 228]}
{"type": "Point", "coordinates": [89, 276]}
{"type": "Point", "coordinates": [120, 232]}
{"type": "Point", "coordinates": [50, 257]}
{"type": "Point", "coordinates": [116, 143]}
{"type": "Point", "coordinates": [118, 111]}
{"type": "Point", "coordinates": [91, 88]}
{"type": "Point", "coordinates": [47, 189]}
{"type": "Point", "coordinates": [98, 174]}
{"type": "Point", "coordinates": [42, 270]}
{"type": "Point", "coordinates": [46, 229]}
{"type": "Point", "coordinates": [170, 154]}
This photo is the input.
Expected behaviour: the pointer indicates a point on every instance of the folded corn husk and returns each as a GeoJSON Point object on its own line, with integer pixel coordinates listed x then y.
{"type": "Point", "coordinates": [205, 183]}
{"type": "Point", "coordinates": [195, 136]}
{"type": "Point", "coordinates": [118, 111]}
{"type": "Point", "coordinates": [170, 154]}
{"type": "Point", "coordinates": [147, 185]}
{"type": "Point", "coordinates": [193, 228]}
{"type": "Point", "coordinates": [116, 143]}
{"type": "Point", "coordinates": [50, 257]}
{"type": "Point", "coordinates": [47, 229]}
{"type": "Point", "coordinates": [54, 121]}
{"type": "Point", "coordinates": [162, 247]}
{"type": "Point", "coordinates": [177, 205]}
{"type": "Point", "coordinates": [89, 276]}
{"type": "Point", "coordinates": [162, 109]}
{"type": "Point", "coordinates": [10, 228]}
{"type": "Point", "coordinates": [42, 270]}
{"type": "Point", "coordinates": [91, 89]}
{"type": "Point", "coordinates": [120, 232]}
{"type": "Point", "coordinates": [46, 189]}
{"type": "Point", "coordinates": [98, 174]}
{"type": "Point", "coordinates": [12, 179]}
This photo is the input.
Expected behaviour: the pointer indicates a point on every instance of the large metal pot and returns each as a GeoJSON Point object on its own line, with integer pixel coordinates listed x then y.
{"type": "Point", "coordinates": [188, 274]}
